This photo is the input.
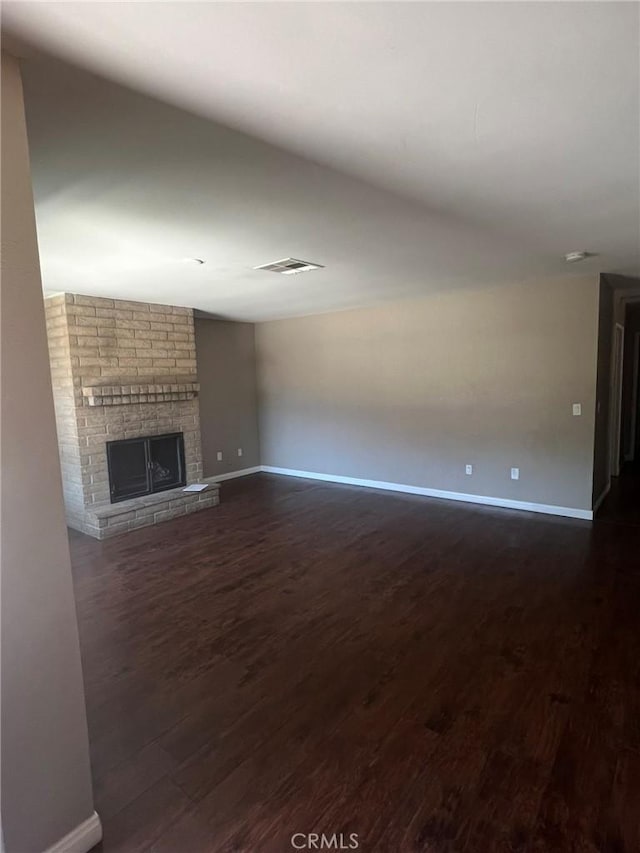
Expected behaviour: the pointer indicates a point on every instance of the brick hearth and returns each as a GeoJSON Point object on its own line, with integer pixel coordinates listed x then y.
{"type": "Point", "coordinates": [121, 370]}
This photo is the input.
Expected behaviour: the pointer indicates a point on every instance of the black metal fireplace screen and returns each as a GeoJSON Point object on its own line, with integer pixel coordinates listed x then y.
{"type": "Point", "coordinates": [140, 466]}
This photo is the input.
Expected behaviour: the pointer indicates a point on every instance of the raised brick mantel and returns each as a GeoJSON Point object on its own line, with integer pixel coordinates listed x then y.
{"type": "Point", "coordinates": [121, 370]}
{"type": "Point", "coordinates": [135, 392]}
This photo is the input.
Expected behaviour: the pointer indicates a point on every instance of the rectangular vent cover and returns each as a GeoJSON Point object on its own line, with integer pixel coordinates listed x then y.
{"type": "Point", "coordinates": [289, 266]}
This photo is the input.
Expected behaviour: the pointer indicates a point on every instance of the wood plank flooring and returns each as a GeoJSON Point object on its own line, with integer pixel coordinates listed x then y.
{"type": "Point", "coordinates": [314, 658]}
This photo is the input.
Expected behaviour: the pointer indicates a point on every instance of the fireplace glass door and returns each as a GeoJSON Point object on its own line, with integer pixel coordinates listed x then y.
{"type": "Point", "coordinates": [141, 466]}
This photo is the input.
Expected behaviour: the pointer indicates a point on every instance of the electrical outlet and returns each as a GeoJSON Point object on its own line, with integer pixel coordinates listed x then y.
{"type": "Point", "coordinates": [577, 410]}
{"type": "Point", "coordinates": [468, 470]}
{"type": "Point", "coordinates": [515, 473]}
{"type": "Point", "coordinates": [219, 456]}
{"type": "Point", "coordinates": [239, 451]}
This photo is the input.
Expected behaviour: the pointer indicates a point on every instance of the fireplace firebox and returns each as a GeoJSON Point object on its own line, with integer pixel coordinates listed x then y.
{"type": "Point", "coordinates": [141, 466]}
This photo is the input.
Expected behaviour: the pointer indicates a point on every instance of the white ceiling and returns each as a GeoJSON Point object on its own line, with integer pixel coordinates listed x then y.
{"type": "Point", "coordinates": [462, 144]}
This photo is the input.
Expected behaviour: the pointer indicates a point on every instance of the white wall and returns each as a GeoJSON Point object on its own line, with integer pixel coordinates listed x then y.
{"type": "Point", "coordinates": [46, 779]}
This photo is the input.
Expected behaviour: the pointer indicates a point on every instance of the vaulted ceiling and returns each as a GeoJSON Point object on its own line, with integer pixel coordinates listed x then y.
{"type": "Point", "coordinates": [407, 147]}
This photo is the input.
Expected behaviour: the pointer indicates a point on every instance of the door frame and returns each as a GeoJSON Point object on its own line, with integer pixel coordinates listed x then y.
{"type": "Point", "coordinates": [617, 365]}
{"type": "Point", "coordinates": [632, 448]}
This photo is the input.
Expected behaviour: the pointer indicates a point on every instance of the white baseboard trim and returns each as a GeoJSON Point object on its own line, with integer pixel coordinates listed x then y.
{"type": "Point", "coordinates": [231, 475]}
{"type": "Point", "coordinates": [603, 495]}
{"type": "Point", "coordinates": [547, 509]}
{"type": "Point", "coordinates": [81, 839]}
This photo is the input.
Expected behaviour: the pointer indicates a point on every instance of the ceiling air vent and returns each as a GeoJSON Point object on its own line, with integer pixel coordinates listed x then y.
{"type": "Point", "coordinates": [289, 266]}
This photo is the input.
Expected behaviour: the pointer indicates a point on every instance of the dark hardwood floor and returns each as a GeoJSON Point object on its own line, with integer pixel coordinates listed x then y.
{"type": "Point", "coordinates": [312, 658]}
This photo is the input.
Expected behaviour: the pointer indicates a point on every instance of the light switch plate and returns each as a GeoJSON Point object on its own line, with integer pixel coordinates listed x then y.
{"type": "Point", "coordinates": [515, 473]}
{"type": "Point", "coordinates": [219, 455]}
{"type": "Point", "coordinates": [468, 470]}
{"type": "Point", "coordinates": [239, 451]}
{"type": "Point", "coordinates": [577, 409]}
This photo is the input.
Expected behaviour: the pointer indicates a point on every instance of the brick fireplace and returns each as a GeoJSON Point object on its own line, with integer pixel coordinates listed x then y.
{"type": "Point", "coordinates": [122, 370]}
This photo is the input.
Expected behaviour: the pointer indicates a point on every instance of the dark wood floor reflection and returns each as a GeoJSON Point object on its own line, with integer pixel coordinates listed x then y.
{"type": "Point", "coordinates": [316, 658]}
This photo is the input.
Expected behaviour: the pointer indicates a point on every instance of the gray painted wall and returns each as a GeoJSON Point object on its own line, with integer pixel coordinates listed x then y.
{"type": "Point", "coordinates": [603, 390]}
{"type": "Point", "coordinates": [412, 391]}
{"type": "Point", "coordinates": [228, 399]}
{"type": "Point", "coordinates": [46, 780]}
